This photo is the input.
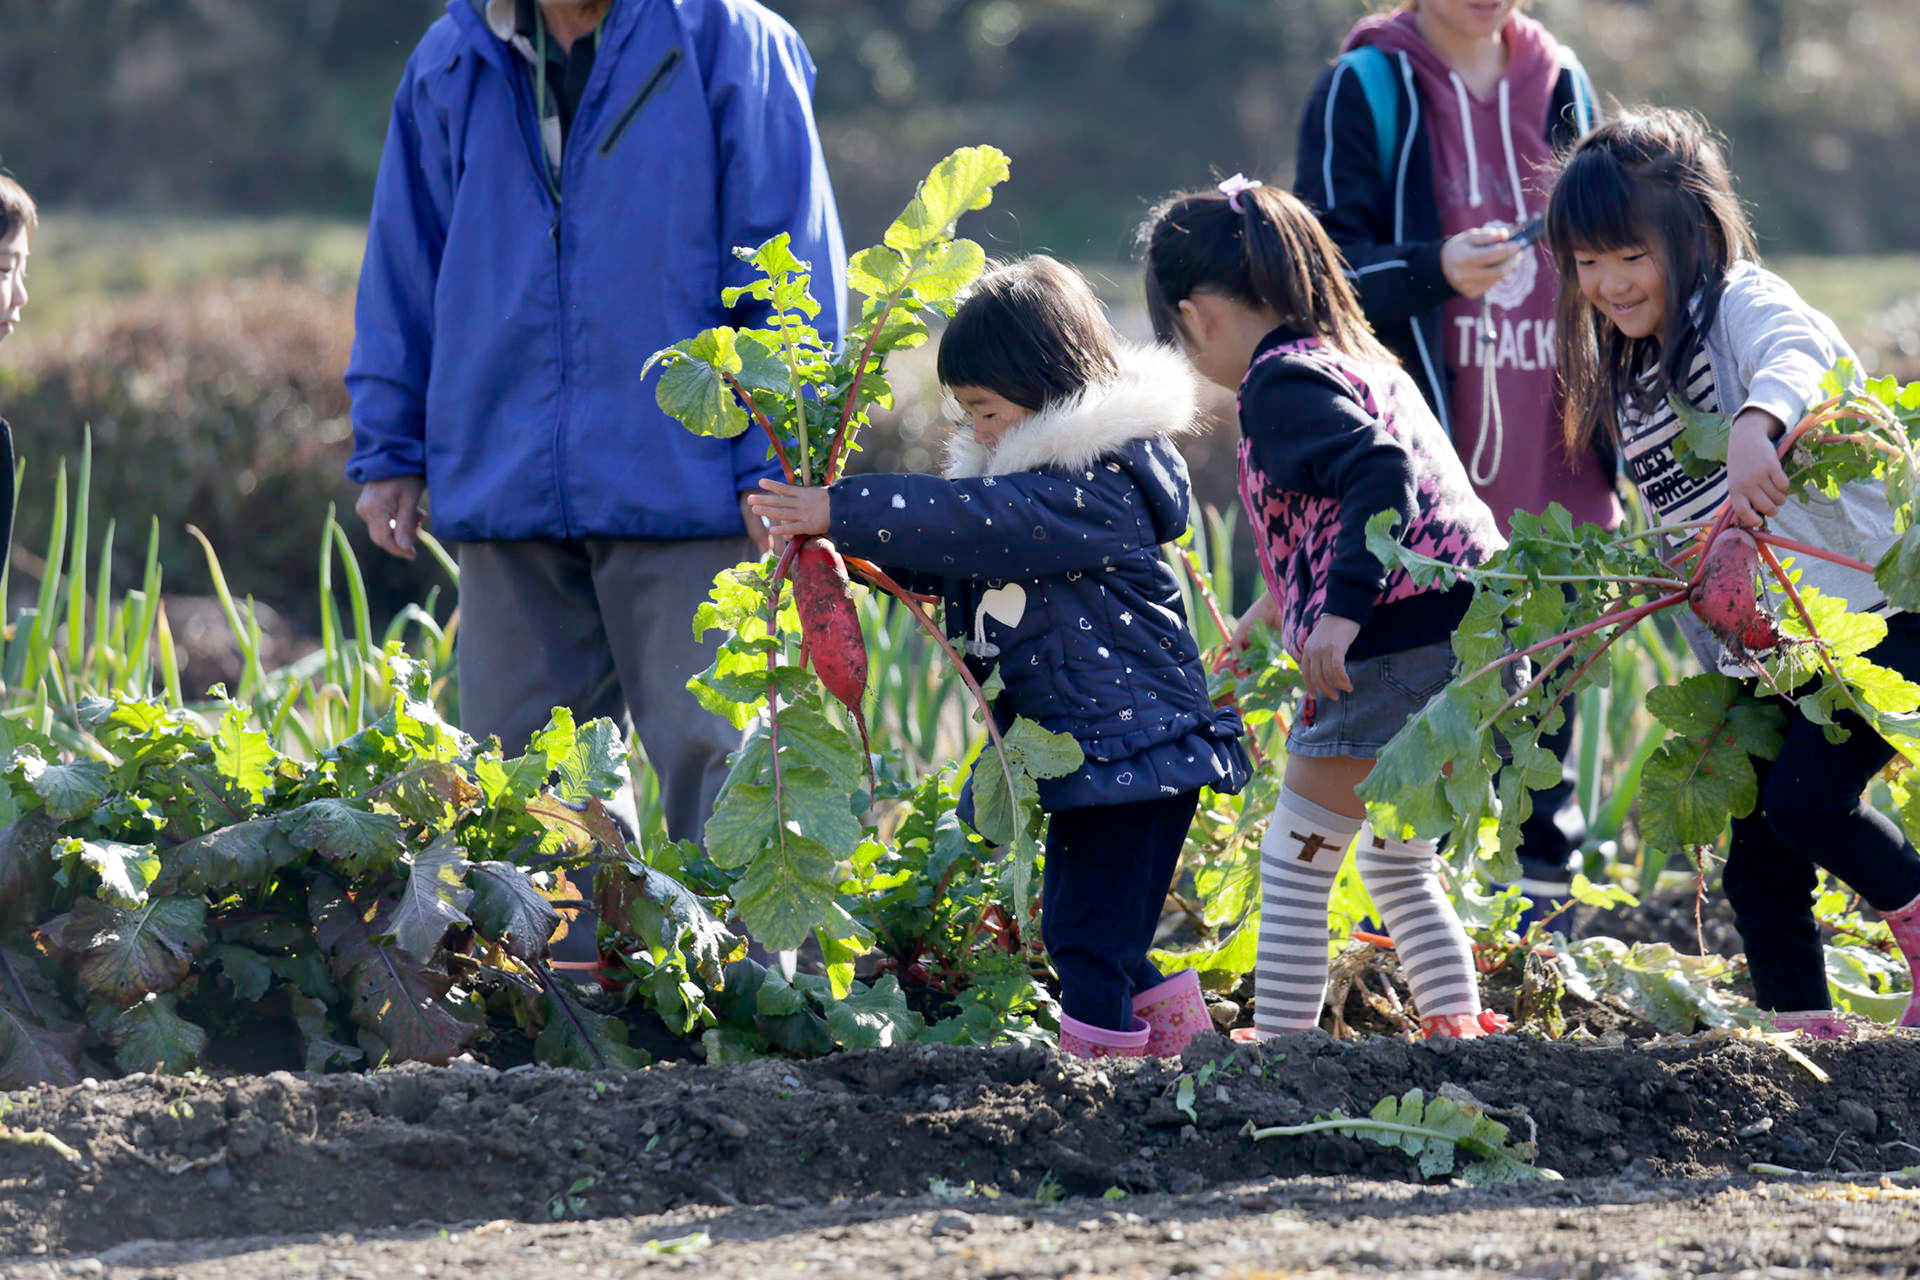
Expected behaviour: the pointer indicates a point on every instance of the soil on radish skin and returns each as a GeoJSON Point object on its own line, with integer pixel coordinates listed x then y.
{"type": "Point", "coordinates": [284, 1154]}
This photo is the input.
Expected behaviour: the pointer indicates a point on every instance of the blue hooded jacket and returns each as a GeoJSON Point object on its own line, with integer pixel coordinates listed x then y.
{"type": "Point", "coordinates": [500, 336]}
{"type": "Point", "coordinates": [1047, 554]}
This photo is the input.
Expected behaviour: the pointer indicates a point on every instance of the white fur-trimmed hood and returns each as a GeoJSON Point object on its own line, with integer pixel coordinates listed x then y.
{"type": "Point", "coordinates": [1154, 395]}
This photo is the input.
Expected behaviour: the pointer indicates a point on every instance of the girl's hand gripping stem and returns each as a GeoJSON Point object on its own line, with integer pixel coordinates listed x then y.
{"type": "Point", "coordinates": [1756, 482]}
{"type": "Point", "coordinates": [1261, 613]}
{"type": "Point", "coordinates": [793, 511]}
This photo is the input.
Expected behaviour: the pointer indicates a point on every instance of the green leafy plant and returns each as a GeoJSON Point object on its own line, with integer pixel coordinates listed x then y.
{"type": "Point", "coordinates": [1436, 1132]}
{"type": "Point", "coordinates": [366, 899]}
{"type": "Point", "coordinates": [790, 816]}
{"type": "Point", "coordinates": [1699, 776]}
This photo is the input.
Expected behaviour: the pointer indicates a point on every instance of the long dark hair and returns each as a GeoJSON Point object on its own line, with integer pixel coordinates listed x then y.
{"type": "Point", "coordinates": [16, 208]}
{"type": "Point", "coordinates": [1651, 178]}
{"type": "Point", "coordinates": [1031, 332]}
{"type": "Point", "coordinates": [1271, 253]}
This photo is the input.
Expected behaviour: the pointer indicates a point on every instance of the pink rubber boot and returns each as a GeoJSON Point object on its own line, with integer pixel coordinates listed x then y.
{"type": "Point", "coordinates": [1175, 1011]}
{"type": "Point", "coordinates": [1905, 924]}
{"type": "Point", "coordinates": [1820, 1024]}
{"type": "Point", "coordinates": [1463, 1026]}
{"type": "Point", "coordinates": [1084, 1040]}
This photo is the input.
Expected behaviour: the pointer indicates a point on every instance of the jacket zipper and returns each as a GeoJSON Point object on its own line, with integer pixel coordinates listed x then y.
{"type": "Point", "coordinates": [654, 83]}
{"type": "Point", "coordinates": [537, 152]}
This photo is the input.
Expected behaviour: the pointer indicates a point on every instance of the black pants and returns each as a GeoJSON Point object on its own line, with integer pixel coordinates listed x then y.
{"type": "Point", "coordinates": [1811, 816]}
{"type": "Point", "coordinates": [1107, 874]}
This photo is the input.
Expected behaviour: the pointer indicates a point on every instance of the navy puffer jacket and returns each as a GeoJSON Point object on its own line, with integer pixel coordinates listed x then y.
{"type": "Point", "coordinates": [1046, 552]}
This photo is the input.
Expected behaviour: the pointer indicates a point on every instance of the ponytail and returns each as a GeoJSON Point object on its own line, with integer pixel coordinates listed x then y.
{"type": "Point", "coordinates": [1261, 247]}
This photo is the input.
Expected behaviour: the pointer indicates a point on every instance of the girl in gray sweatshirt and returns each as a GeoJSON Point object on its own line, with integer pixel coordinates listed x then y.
{"type": "Point", "coordinates": [1661, 296]}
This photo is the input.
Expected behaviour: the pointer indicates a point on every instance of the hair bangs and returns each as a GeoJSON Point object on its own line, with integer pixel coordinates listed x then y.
{"type": "Point", "coordinates": [1032, 332]}
{"type": "Point", "coordinates": [1594, 207]}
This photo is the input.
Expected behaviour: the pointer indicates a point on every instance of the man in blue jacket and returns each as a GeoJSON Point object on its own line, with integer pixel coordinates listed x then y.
{"type": "Point", "coordinates": [563, 184]}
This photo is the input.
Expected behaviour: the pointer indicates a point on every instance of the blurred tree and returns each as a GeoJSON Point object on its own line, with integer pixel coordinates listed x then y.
{"type": "Point", "coordinates": [224, 105]}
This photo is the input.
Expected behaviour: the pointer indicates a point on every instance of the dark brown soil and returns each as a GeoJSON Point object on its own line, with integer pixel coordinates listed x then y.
{"type": "Point", "coordinates": [1262, 1229]}
{"type": "Point", "coordinates": [285, 1155]}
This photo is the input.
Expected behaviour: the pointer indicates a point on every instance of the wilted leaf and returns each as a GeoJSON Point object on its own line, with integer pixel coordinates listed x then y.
{"type": "Point", "coordinates": [125, 956]}
{"type": "Point", "coordinates": [433, 899]}
{"type": "Point", "coordinates": [509, 908]}
{"type": "Point", "coordinates": [37, 1044]}
{"type": "Point", "coordinates": [583, 827]}
{"type": "Point", "coordinates": [433, 795]}
{"type": "Point", "coordinates": [393, 995]}
{"type": "Point", "coordinates": [661, 912]}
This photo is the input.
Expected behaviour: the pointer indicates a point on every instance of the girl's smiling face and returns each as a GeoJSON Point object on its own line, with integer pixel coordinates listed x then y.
{"type": "Point", "coordinates": [1626, 285]}
{"type": "Point", "coordinates": [992, 414]}
{"type": "Point", "coordinates": [13, 280]}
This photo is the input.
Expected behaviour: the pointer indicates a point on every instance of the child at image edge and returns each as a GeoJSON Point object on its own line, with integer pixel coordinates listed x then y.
{"type": "Point", "coordinates": [1332, 432]}
{"type": "Point", "coordinates": [1660, 295]}
{"type": "Point", "coordinates": [18, 221]}
{"type": "Point", "coordinates": [1044, 541]}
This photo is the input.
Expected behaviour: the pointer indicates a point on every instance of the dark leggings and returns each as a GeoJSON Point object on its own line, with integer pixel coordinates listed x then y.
{"type": "Point", "coordinates": [1811, 816]}
{"type": "Point", "coordinates": [1107, 874]}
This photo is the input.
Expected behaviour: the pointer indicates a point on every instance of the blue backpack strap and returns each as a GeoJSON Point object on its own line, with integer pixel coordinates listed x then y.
{"type": "Point", "coordinates": [1586, 108]}
{"type": "Point", "coordinates": [1377, 81]}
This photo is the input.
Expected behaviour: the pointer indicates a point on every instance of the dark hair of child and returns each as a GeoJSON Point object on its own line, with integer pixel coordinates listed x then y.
{"type": "Point", "coordinates": [1657, 181]}
{"type": "Point", "coordinates": [1272, 252]}
{"type": "Point", "coordinates": [16, 208]}
{"type": "Point", "coordinates": [1031, 332]}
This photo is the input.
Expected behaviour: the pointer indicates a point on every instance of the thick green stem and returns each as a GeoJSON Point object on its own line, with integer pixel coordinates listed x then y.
{"type": "Point", "coordinates": [773, 681]}
{"type": "Point", "coordinates": [879, 578]}
{"type": "Point", "coordinates": [847, 410]}
{"type": "Point", "coordinates": [1626, 619]}
{"type": "Point", "coordinates": [1634, 614]}
{"type": "Point", "coordinates": [753, 408]}
{"type": "Point", "coordinates": [1788, 544]}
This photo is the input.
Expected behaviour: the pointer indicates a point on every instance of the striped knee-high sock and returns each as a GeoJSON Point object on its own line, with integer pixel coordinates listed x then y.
{"type": "Point", "coordinates": [1299, 859]}
{"type": "Point", "coordinates": [1403, 877]}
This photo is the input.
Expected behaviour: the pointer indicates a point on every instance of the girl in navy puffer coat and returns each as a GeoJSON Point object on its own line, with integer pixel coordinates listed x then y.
{"type": "Point", "coordinates": [1043, 539]}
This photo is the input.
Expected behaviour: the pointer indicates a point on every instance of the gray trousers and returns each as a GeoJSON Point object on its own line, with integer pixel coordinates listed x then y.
{"type": "Point", "coordinates": [604, 628]}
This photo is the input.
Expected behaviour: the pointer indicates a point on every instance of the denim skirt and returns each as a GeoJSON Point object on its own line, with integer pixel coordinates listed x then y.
{"type": "Point", "coordinates": [1387, 691]}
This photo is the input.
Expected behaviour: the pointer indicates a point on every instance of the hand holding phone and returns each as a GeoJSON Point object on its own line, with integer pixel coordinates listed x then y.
{"type": "Point", "coordinates": [1530, 231]}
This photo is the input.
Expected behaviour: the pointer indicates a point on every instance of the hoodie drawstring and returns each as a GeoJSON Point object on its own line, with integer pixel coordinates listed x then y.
{"type": "Point", "coordinates": [1490, 448]}
{"type": "Point", "coordinates": [1473, 156]}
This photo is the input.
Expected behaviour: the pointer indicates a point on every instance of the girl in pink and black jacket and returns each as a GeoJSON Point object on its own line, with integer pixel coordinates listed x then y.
{"type": "Point", "coordinates": [1333, 432]}
{"type": "Point", "coordinates": [1425, 147]}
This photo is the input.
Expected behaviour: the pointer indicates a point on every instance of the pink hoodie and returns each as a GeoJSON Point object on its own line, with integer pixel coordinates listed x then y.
{"type": "Point", "coordinates": [1492, 162]}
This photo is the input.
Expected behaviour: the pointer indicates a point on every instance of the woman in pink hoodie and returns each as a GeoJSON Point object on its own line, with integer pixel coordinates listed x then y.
{"type": "Point", "coordinates": [1427, 147]}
